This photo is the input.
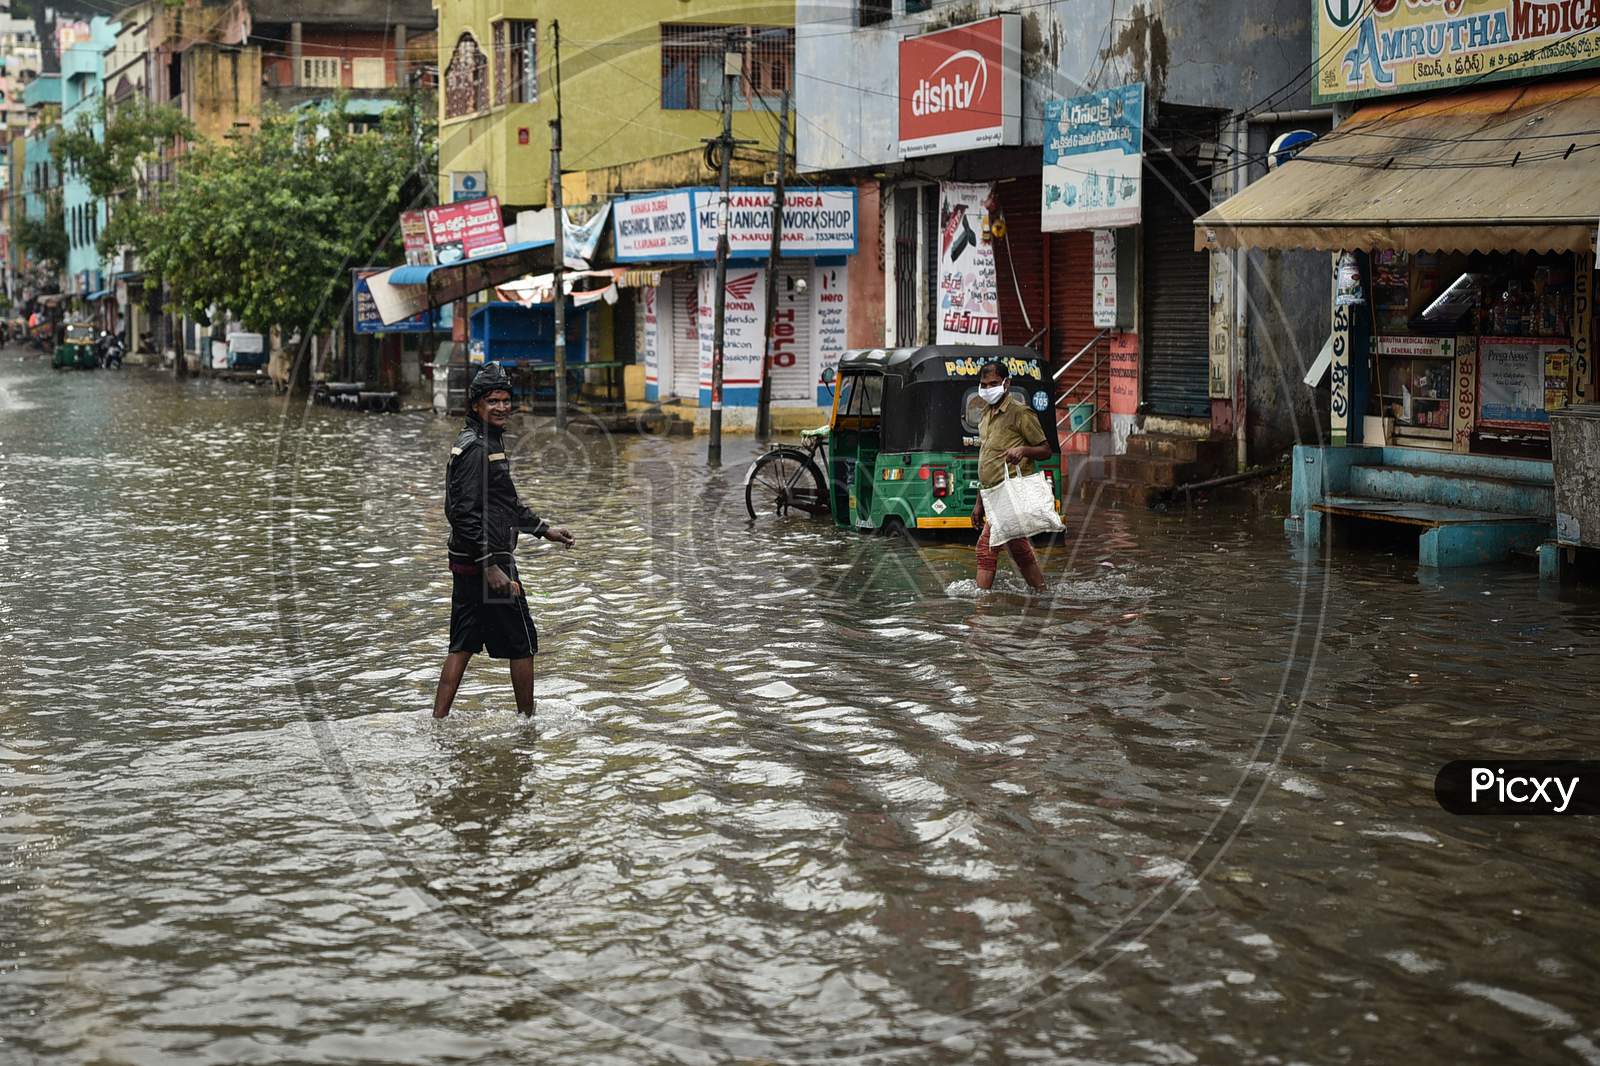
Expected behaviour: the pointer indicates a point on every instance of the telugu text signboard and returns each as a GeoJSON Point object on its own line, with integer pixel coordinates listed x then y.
{"type": "Point", "coordinates": [1093, 154]}
{"type": "Point", "coordinates": [463, 230]}
{"type": "Point", "coordinates": [961, 87]}
{"type": "Point", "coordinates": [1369, 48]}
{"type": "Point", "coordinates": [414, 236]}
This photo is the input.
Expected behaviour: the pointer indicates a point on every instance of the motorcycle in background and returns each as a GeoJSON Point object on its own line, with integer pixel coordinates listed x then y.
{"type": "Point", "coordinates": [110, 350]}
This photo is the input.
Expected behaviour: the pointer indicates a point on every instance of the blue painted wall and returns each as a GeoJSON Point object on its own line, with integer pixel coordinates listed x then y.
{"type": "Point", "coordinates": [82, 88]}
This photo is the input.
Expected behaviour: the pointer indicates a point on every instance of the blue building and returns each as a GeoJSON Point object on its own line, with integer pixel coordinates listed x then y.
{"type": "Point", "coordinates": [41, 178]}
{"type": "Point", "coordinates": [82, 78]}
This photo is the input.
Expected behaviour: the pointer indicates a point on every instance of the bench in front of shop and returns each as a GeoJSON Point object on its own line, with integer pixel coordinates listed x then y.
{"type": "Point", "coordinates": [1452, 536]}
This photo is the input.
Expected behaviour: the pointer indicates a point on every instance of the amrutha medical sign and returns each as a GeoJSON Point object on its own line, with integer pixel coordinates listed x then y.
{"type": "Point", "coordinates": [1382, 47]}
{"type": "Point", "coordinates": [961, 87]}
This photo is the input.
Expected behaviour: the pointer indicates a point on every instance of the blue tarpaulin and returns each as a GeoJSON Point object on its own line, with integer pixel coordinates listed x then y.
{"type": "Point", "coordinates": [404, 291]}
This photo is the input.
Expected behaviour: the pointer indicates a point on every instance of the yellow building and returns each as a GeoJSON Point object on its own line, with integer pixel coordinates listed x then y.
{"type": "Point", "coordinates": [640, 89]}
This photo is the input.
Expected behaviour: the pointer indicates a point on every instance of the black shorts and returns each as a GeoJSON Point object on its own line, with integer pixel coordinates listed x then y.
{"type": "Point", "coordinates": [480, 619]}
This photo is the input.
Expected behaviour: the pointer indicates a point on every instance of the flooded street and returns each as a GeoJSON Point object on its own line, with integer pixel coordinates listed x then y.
{"type": "Point", "coordinates": [794, 795]}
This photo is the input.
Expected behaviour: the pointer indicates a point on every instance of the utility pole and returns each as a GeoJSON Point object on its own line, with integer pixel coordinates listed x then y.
{"type": "Point", "coordinates": [732, 67]}
{"type": "Point", "coordinates": [764, 405]}
{"type": "Point", "coordinates": [560, 295]}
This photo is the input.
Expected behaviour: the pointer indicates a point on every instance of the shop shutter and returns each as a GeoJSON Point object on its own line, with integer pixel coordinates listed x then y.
{"type": "Point", "coordinates": [1071, 257]}
{"type": "Point", "coordinates": [1173, 339]}
{"type": "Point", "coordinates": [794, 384]}
{"type": "Point", "coordinates": [1019, 262]}
{"type": "Point", "coordinates": [684, 300]}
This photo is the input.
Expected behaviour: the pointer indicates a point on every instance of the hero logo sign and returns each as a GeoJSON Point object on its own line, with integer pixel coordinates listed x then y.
{"type": "Point", "coordinates": [961, 88]}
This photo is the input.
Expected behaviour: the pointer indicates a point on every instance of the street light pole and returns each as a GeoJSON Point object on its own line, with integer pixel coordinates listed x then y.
{"type": "Point", "coordinates": [732, 66]}
{"type": "Point", "coordinates": [560, 225]}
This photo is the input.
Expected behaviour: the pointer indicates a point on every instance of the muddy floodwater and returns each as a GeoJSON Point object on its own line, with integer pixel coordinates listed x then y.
{"type": "Point", "coordinates": [793, 794]}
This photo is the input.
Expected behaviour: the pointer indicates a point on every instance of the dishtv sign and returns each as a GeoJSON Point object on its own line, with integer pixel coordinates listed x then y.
{"type": "Point", "coordinates": [961, 87]}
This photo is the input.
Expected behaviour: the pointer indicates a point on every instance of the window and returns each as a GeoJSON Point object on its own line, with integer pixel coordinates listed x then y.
{"type": "Point", "coordinates": [368, 73]}
{"type": "Point", "coordinates": [691, 66]}
{"type": "Point", "coordinates": [516, 61]}
{"type": "Point", "coordinates": [860, 399]}
{"type": "Point", "coordinates": [872, 12]}
{"type": "Point", "coordinates": [466, 80]}
{"type": "Point", "coordinates": [917, 7]}
{"type": "Point", "coordinates": [319, 72]}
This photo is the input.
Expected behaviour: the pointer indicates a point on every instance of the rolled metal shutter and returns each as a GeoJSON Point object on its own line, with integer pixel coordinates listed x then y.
{"type": "Point", "coordinates": [682, 299]}
{"type": "Point", "coordinates": [793, 385]}
{"type": "Point", "coordinates": [1174, 335]}
{"type": "Point", "coordinates": [1071, 256]}
{"type": "Point", "coordinates": [1019, 262]}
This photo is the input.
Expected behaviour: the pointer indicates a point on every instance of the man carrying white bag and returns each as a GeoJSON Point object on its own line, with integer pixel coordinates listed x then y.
{"type": "Point", "coordinates": [1010, 509]}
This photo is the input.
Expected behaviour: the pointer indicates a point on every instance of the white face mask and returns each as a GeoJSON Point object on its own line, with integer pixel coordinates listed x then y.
{"type": "Point", "coordinates": [991, 393]}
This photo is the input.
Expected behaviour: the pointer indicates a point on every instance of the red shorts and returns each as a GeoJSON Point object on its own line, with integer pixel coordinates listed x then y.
{"type": "Point", "coordinates": [1021, 550]}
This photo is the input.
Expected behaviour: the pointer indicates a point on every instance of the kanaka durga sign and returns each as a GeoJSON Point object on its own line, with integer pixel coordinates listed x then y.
{"type": "Point", "coordinates": [961, 88]}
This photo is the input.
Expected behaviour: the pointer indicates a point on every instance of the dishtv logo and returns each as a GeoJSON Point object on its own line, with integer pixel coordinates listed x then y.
{"type": "Point", "coordinates": [952, 92]}
{"type": "Point", "coordinates": [961, 88]}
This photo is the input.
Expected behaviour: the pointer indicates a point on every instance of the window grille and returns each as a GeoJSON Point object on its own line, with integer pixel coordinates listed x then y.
{"type": "Point", "coordinates": [691, 65]}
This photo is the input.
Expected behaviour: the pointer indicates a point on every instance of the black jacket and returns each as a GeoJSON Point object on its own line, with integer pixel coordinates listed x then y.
{"type": "Point", "coordinates": [481, 502]}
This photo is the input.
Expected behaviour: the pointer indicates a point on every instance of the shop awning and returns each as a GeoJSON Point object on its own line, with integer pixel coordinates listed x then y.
{"type": "Point", "coordinates": [1507, 169]}
{"type": "Point", "coordinates": [403, 291]}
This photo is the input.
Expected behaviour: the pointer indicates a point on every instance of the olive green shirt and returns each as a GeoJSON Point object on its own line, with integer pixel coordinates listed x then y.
{"type": "Point", "coordinates": [1004, 426]}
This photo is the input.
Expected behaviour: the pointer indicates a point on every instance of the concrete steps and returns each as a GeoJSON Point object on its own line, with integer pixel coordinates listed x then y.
{"type": "Point", "coordinates": [1465, 509]}
{"type": "Point", "coordinates": [1153, 465]}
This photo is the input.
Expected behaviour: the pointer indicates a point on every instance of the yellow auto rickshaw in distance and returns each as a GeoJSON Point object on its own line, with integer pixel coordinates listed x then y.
{"type": "Point", "coordinates": [78, 349]}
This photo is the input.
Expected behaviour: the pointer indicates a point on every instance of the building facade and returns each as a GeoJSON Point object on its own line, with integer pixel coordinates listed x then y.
{"type": "Point", "coordinates": [1455, 200]}
{"type": "Point", "coordinates": [1159, 337]}
{"type": "Point", "coordinates": [82, 109]}
{"type": "Point", "coordinates": [641, 91]}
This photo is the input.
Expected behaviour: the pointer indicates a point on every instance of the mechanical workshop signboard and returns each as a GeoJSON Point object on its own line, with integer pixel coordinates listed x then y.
{"type": "Point", "coordinates": [1370, 48]}
{"type": "Point", "coordinates": [684, 224]}
{"type": "Point", "coordinates": [961, 87]}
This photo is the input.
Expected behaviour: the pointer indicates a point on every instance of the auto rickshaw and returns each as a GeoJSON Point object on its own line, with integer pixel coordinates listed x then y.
{"type": "Point", "coordinates": [78, 350]}
{"type": "Point", "coordinates": [901, 449]}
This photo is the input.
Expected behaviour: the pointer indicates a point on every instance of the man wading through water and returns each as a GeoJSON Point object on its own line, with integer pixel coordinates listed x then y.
{"type": "Point", "coordinates": [487, 605]}
{"type": "Point", "coordinates": [1008, 433]}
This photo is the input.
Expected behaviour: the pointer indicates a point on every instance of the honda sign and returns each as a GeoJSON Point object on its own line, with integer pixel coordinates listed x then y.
{"type": "Point", "coordinates": [961, 87]}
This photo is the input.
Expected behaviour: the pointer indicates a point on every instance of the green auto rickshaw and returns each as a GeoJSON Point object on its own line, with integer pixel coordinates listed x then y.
{"type": "Point", "coordinates": [78, 350]}
{"type": "Point", "coordinates": [901, 450]}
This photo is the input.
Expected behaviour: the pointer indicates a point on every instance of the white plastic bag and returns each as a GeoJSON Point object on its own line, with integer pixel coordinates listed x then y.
{"type": "Point", "coordinates": [1020, 507]}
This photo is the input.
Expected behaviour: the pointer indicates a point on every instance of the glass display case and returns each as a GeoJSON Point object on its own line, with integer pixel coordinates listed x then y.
{"type": "Point", "coordinates": [1416, 387]}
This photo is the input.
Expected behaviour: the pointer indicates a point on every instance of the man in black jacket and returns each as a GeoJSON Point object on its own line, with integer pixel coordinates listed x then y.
{"type": "Point", "coordinates": [487, 605]}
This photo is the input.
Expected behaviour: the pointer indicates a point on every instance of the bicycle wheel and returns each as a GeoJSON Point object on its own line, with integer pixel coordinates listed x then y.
{"type": "Point", "coordinates": [785, 482]}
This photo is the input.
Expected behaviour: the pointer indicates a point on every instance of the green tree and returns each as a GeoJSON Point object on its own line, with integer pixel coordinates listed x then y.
{"type": "Point", "coordinates": [269, 225]}
{"type": "Point", "coordinates": [46, 238]}
{"type": "Point", "coordinates": [119, 165]}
